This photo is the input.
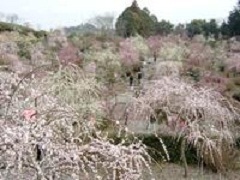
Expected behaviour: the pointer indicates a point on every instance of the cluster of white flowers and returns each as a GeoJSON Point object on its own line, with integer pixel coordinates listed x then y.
{"type": "Point", "coordinates": [58, 135]}
{"type": "Point", "coordinates": [202, 116]}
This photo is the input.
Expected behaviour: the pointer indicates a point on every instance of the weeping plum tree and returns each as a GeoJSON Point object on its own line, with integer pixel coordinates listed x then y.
{"type": "Point", "coordinates": [197, 115]}
{"type": "Point", "coordinates": [45, 114]}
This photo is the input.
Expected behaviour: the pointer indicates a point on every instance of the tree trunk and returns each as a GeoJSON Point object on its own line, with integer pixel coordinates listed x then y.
{"type": "Point", "coordinates": [155, 56]}
{"type": "Point", "coordinates": [183, 157]}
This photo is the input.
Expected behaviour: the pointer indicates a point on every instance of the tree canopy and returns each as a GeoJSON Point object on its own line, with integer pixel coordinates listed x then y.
{"type": "Point", "coordinates": [201, 26]}
{"type": "Point", "coordinates": [134, 20]}
{"type": "Point", "coordinates": [234, 21]}
{"type": "Point", "coordinates": [164, 27]}
{"type": "Point", "coordinates": [232, 26]}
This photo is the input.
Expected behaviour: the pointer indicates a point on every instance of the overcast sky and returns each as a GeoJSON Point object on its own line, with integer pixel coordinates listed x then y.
{"type": "Point", "coordinates": [55, 13]}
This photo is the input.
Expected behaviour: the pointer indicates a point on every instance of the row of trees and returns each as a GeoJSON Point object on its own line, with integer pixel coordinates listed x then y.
{"type": "Point", "coordinates": [134, 20]}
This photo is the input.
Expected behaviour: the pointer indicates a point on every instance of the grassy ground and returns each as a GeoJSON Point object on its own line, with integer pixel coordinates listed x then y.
{"type": "Point", "coordinates": [175, 172]}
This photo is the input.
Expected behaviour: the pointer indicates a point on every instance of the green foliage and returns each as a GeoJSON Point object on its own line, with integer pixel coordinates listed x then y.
{"type": "Point", "coordinates": [201, 26]}
{"type": "Point", "coordinates": [194, 73]}
{"type": "Point", "coordinates": [155, 147]}
{"type": "Point", "coordinates": [6, 27]}
{"type": "Point", "coordinates": [40, 34]}
{"type": "Point", "coordinates": [179, 29]}
{"type": "Point", "coordinates": [135, 21]}
{"type": "Point", "coordinates": [164, 27]}
{"type": "Point", "coordinates": [234, 21]}
{"type": "Point", "coordinates": [173, 146]}
{"type": "Point", "coordinates": [195, 27]}
{"type": "Point", "coordinates": [224, 29]}
{"type": "Point", "coordinates": [21, 29]}
{"type": "Point", "coordinates": [24, 51]}
{"type": "Point", "coordinates": [232, 28]}
{"type": "Point", "coordinates": [211, 28]}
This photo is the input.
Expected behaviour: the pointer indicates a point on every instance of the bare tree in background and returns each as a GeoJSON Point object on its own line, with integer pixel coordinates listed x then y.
{"type": "Point", "coordinates": [12, 18]}
{"type": "Point", "coordinates": [27, 24]}
{"type": "Point", "coordinates": [2, 16]}
{"type": "Point", "coordinates": [103, 22]}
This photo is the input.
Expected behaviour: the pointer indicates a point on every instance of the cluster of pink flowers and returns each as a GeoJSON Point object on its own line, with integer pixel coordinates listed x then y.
{"type": "Point", "coordinates": [29, 114]}
{"type": "Point", "coordinates": [128, 53]}
{"type": "Point", "coordinates": [69, 54]}
{"type": "Point", "coordinates": [154, 43]}
{"type": "Point", "coordinates": [175, 122]}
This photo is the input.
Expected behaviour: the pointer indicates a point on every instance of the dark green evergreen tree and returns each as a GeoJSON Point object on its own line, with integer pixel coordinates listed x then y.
{"type": "Point", "coordinates": [164, 27]}
{"type": "Point", "coordinates": [232, 27]}
{"type": "Point", "coordinates": [234, 21]}
{"type": "Point", "coordinates": [224, 29]}
{"type": "Point", "coordinates": [195, 27]}
{"type": "Point", "coordinates": [135, 21]}
{"type": "Point", "coordinates": [211, 28]}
